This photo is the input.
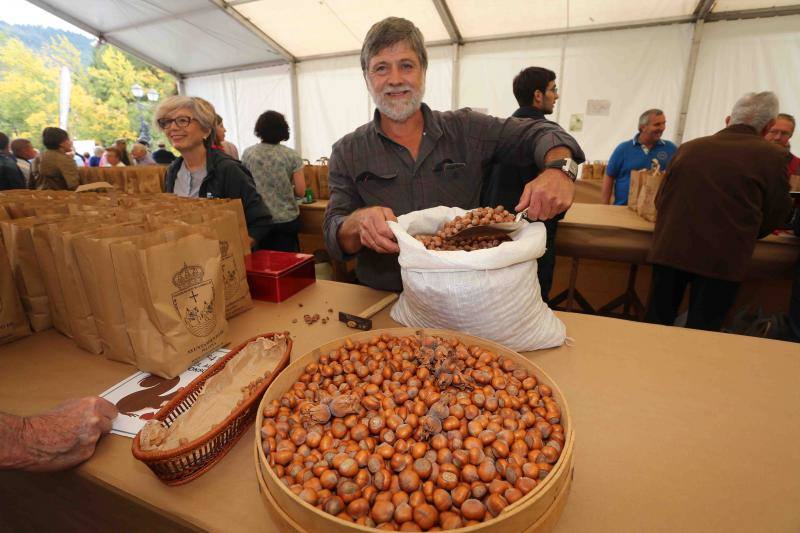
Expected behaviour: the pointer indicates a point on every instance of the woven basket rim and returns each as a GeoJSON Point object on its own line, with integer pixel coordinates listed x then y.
{"type": "Point", "coordinates": [199, 382]}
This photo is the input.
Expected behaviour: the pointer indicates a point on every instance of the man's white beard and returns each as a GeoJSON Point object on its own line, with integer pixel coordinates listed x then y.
{"type": "Point", "coordinates": [399, 111]}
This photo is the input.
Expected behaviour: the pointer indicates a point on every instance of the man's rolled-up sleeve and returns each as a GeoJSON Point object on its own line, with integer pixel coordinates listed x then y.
{"type": "Point", "coordinates": [524, 142]}
{"type": "Point", "coordinates": [344, 199]}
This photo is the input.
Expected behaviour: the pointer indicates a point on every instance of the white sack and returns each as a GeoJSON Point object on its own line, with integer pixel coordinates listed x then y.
{"type": "Point", "coordinates": [492, 293]}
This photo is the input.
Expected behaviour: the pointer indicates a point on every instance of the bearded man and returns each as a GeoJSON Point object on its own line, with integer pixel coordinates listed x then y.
{"type": "Point", "coordinates": [410, 158]}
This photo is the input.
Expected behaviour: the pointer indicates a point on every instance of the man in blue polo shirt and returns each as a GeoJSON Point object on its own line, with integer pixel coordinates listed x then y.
{"type": "Point", "coordinates": [637, 154]}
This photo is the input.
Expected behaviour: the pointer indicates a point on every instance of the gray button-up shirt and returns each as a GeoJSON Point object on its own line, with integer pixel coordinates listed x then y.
{"type": "Point", "coordinates": [457, 152]}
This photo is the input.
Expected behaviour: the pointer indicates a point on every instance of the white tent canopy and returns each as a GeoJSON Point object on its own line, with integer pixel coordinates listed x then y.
{"type": "Point", "coordinates": [692, 58]}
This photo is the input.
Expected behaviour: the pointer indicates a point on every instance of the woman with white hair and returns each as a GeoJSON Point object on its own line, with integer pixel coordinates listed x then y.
{"type": "Point", "coordinates": [203, 171]}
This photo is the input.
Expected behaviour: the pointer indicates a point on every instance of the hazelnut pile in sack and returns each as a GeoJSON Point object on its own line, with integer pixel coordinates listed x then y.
{"type": "Point", "coordinates": [492, 293]}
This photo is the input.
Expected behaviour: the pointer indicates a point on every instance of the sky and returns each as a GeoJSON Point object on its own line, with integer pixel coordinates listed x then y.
{"type": "Point", "coordinates": [22, 12]}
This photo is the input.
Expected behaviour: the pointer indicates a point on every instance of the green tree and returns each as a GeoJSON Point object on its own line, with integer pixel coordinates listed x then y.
{"type": "Point", "coordinates": [28, 91]}
{"type": "Point", "coordinates": [111, 77]}
{"type": "Point", "coordinates": [102, 106]}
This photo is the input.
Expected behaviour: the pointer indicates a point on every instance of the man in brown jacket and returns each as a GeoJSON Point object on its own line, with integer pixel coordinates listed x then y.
{"type": "Point", "coordinates": [56, 168]}
{"type": "Point", "coordinates": [720, 194]}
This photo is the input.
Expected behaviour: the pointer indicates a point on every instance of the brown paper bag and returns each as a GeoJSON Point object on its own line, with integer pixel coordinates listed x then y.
{"type": "Point", "coordinates": [224, 225]}
{"type": "Point", "coordinates": [322, 178]}
{"type": "Point", "coordinates": [646, 205]}
{"type": "Point", "coordinates": [233, 205]}
{"type": "Point", "coordinates": [170, 282]}
{"type": "Point", "coordinates": [19, 241]}
{"type": "Point", "coordinates": [794, 183]}
{"type": "Point", "coordinates": [52, 283]}
{"type": "Point", "coordinates": [93, 254]}
{"type": "Point", "coordinates": [635, 188]}
{"type": "Point", "coordinates": [13, 321]}
{"type": "Point", "coordinates": [79, 311]}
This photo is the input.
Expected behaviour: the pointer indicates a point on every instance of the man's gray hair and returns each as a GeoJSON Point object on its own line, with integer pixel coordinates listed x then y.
{"type": "Point", "coordinates": [389, 32]}
{"type": "Point", "coordinates": [644, 118]}
{"type": "Point", "coordinates": [755, 109]}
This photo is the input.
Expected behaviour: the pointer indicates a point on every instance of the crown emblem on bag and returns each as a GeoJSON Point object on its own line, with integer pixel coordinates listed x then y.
{"type": "Point", "coordinates": [188, 276]}
{"type": "Point", "coordinates": [223, 248]}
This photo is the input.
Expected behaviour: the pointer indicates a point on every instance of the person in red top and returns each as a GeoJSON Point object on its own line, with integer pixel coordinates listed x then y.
{"type": "Point", "coordinates": [780, 133]}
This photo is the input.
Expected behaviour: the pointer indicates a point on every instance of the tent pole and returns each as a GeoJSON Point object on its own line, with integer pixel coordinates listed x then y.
{"type": "Point", "coordinates": [298, 142]}
{"type": "Point", "coordinates": [561, 71]}
{"type": "Point", "coordinates": [455, 77]}
{"type": "Point", "coordinates": [688, 82]}
{"type": "Point", "coordinates": [447, 19]}
{"type": "Point", "coordinates": [701, 13]}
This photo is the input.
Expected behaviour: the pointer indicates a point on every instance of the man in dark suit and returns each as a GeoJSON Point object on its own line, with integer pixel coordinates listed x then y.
{"type": "Point", "coordinates": [11, 176]}
{"type": "Point", "coordinates": [536, 93]}
{"type": "Point", "coordinates": [162, 156]}
{"type": "Point", "coordinates": [720, 194]}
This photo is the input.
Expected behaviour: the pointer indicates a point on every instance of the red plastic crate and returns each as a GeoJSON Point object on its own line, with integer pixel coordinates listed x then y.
{"type": "Point", "coordinates": [275, 276]}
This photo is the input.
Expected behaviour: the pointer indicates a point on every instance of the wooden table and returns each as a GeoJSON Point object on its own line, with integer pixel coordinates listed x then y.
{"type": "Point", "coordinates": [311, 217]}
{"type": "Point", "coordinates": [676, 430]}
{"type": "Point", "coordinates": [616, 233]}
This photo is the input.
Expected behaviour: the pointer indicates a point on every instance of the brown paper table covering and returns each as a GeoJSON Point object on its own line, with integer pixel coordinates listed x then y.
{"type": "Point", "coordinates": [677, 430]}
{"type": "Point", "coordinates": [588, 191]}
{"type": "Point", "coordinates": [616, 233]}
{"type": "Point", "coordinates": [132, 179]}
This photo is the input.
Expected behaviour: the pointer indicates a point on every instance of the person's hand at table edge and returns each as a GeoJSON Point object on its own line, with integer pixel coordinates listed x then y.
{"type": "Point", "coordinates": [56, 440]}
{"type": "Point", "coordinates": [368, 227]}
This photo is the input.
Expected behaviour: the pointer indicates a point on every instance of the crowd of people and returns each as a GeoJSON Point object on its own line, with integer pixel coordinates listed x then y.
{"type": "Point", "coordinates": [56, 167]}
{"type": "Point", "coordinates": [720, 194]}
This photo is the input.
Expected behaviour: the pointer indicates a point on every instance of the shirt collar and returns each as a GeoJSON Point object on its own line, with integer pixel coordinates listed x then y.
{"type": "Point", "coordinates": [432, 126]}
{"type": "Point", "coordinates": [741, 128]}
{"type": "Point", "coordinates": [636, 142]}
{"type": "Point", "coordinates": [528, 111]}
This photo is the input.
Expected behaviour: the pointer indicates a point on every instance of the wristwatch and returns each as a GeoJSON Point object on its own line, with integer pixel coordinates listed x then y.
{"type": "Point", "coordinates": [568, 166]}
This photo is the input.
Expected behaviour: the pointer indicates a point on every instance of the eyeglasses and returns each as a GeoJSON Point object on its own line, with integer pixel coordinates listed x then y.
{"type": "Point", "coordinates": [181, 122]}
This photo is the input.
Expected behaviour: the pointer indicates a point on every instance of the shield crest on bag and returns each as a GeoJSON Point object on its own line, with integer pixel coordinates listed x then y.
{"type": "Point", "coordinates": [194, 302]}
{"type": "Point", "coordinates": [229, 276]}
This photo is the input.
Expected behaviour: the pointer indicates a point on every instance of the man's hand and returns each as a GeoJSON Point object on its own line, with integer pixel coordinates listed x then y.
{"type": "Point", "coordinates": [550, 194]}
{"type": "Point", "coordinates": [67, 435]}
{"type": "Point", "coordinates": [368, 227]}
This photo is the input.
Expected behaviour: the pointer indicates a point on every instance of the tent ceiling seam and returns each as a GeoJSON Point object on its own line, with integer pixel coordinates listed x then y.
{"type": "Point", "coordinates": [341, 21]}
{"type": "Point", "coordinates": [160, 18]}
{"type": "Point", "coordinates": [237, 68]}
{"type": "Point", "coordinates": [766, 12]}
{"type": "Point", "coordinates": [448, 20]}
{"type": "Point", "coordinates": [258, 32]}
{"type": "Point", "coordinates": [103, 37]}
{"type": "Point", "coordinates": [703, 8]}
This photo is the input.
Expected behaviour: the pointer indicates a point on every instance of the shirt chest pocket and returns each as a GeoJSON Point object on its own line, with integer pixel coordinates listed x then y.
{"type": "Point", "coordinates": [450, 170]}
{"type": "Point", "coordinates": [378, 189]}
